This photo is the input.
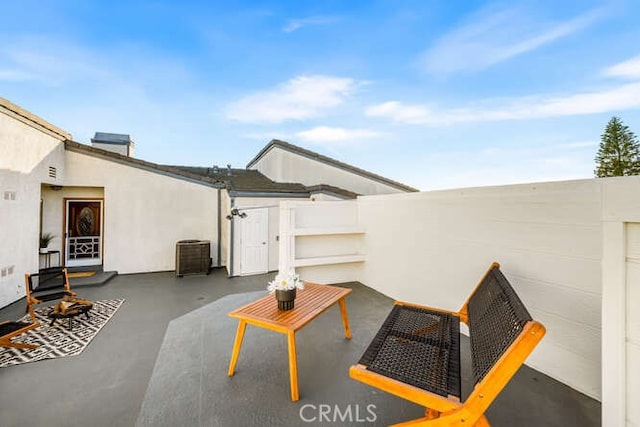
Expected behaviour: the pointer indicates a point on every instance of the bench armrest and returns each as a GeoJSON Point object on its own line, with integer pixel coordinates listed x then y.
{"type": "Point", "coordinates": [509, 363]}
{"type": "Point", "coordinates": [425, 307]}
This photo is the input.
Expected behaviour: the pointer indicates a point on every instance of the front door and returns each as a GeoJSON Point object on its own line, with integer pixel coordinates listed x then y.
{"type": "Point", "coordinates": [254, 236]}
{"type": "Point", "coordinates": [83, 235]}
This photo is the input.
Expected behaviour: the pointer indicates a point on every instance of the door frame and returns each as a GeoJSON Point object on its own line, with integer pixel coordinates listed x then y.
{"type": "Point", "coordinates": [249, 211]}
{"type": "Point", "coordinates": [65, 222]}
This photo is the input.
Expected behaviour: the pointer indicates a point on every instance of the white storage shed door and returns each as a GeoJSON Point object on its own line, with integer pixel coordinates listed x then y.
{"type": "Point", "coordinates": [254, 236]}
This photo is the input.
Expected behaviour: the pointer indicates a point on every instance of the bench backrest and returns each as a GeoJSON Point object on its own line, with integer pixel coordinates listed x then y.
{"type": "Point", "coordinates": [47, 282]}
{"type": "Point", "coordinates": [496, 317]}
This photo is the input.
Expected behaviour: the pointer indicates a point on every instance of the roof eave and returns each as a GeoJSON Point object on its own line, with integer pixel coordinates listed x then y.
{"type": "Point", "coordinates": [32, 120]}
{"type": "Point", "coordinates": [270, 194]}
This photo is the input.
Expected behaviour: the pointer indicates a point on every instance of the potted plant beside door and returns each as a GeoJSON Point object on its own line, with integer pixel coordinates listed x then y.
{"type": "Point", "coordinates": [45, 239]}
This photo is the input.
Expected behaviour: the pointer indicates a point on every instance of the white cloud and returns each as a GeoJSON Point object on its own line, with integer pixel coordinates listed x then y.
{"type": "Point", "coordinates": [629, 69]}
{"type": "Point", "coordinates": [492, 36]}
{"type": "Point", "coordinates": [622, 97]}
{"type": "Point", "coordinates": [300, 98]}
{"type": "Point", "coordinates": [399, 112]}
{"type": "Point", "coordinates": [296, 24]}
{"type": "Point", "coordinates": [335, 134]}
{"type": "Point", "coordinates": [47, 61]}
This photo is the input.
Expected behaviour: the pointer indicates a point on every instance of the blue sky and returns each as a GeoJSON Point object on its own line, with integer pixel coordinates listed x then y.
{"type": "Point", "coordinates": [435, 94]}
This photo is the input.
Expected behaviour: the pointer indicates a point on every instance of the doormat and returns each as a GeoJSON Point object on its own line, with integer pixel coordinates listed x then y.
{"type": "Point", "coordinates": [57, 340]}
{"type": "Point", "coordinates": [77, 274]}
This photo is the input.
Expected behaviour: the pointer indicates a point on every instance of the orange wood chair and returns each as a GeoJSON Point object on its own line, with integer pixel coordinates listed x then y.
{"type": "Point", "coordinates": [47, 285]}
{"type": "Point", "coordinates": [416, 353]}
{"type": "Point", "coordinates": [10, 330]}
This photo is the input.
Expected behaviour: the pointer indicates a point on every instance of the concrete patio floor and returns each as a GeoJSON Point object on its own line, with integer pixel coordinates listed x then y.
{"type": "Point", "coordinates": [162, 361]}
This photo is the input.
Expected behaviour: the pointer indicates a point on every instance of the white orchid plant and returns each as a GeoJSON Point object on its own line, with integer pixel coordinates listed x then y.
{"type": "Point", "coordinates": [285, 282]}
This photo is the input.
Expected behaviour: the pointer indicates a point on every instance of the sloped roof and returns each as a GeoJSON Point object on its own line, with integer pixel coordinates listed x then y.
{"type": "Point", "coordinates": [240, 182]}
{"type": "Point", "coordinates": [328, 160]}
{"type": "Point", "coordinates": [141, 164]}
{"type": "Point", "coordinates": [245, 180]}
{"type": "Point", "coordinates": [332, 190]}
{"type": "Point", "coordinates": [32, 119]}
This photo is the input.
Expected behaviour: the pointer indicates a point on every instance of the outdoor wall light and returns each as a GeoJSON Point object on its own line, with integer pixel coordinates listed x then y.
{"type": "Point", "coordinates": [56, 187]}
{"type": "Point", "coordinates": [236, 212]}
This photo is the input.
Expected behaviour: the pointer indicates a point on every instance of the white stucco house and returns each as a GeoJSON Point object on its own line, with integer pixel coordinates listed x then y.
{"type": "Point", "coordinates": [107, 208]}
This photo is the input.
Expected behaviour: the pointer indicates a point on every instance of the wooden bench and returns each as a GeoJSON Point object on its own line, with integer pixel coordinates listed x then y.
{"type": "Point", "coordinates": [416, 353]}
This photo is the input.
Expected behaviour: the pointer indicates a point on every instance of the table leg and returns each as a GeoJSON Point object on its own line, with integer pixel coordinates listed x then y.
{"type": "Point", "coordinates": [345, 318]}
{"type": "Point", "coordinates": [236, 347]}
{"type": "Point", "coordinates": [293, 365]}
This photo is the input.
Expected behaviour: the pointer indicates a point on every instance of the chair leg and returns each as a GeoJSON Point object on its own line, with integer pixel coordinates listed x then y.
{"type": "Point", "coordinates": [482, 422]}
{"type": "Point", "coordinates": [441, 422]}
{"type": "Point", "coordinates": [8, 343]}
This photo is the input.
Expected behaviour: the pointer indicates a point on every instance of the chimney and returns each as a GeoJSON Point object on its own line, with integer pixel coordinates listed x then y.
{"type": "Point", "coordinates": [114, 142]}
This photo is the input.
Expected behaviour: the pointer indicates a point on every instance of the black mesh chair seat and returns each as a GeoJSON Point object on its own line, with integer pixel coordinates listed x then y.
{"type": "Point", "coordinates": [418, 347]}
{"type": "Point", "coordinates": [7, 328]}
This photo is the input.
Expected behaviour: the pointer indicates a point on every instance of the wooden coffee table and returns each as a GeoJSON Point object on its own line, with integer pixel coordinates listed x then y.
{"type": "Point", "coordinates": [312, 301]}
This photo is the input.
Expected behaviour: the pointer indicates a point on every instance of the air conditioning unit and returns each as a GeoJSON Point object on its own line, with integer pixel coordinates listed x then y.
{"type": "Point", "coordinates": [193, 257]}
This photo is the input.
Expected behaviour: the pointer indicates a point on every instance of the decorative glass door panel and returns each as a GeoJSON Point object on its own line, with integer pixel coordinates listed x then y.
{"type": "Point", "coordinates": [83, 233]}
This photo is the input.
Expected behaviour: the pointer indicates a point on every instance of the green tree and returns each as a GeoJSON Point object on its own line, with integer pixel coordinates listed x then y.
{"type": "Point", "coordinates": [619, 152]}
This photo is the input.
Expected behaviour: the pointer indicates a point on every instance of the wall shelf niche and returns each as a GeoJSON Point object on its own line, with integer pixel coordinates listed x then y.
{"type": "Point", "coordinates": [319, 234]}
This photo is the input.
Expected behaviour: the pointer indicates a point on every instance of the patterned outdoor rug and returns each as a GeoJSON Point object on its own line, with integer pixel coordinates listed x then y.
{"type": "Point", "coordinates": [57, 340]}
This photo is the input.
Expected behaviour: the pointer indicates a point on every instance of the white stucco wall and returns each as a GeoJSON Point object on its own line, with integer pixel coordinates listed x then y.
{"type": "Point", "coordinates": [620, 301]}
{"type": "Point", "coordinates": [323, 197]}
{"type": "Point", "coordinates": [632, 320]}
{"type": "Point", "coordinates": [26, 154]}
{"type": "Point", "coordinates": [283, 166]}
{"type": "Point", "coordinates": [145, 213]}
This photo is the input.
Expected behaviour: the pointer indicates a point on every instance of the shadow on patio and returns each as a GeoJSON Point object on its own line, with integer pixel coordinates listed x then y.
{"type": "Point", "coordinates": [163, 358]}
